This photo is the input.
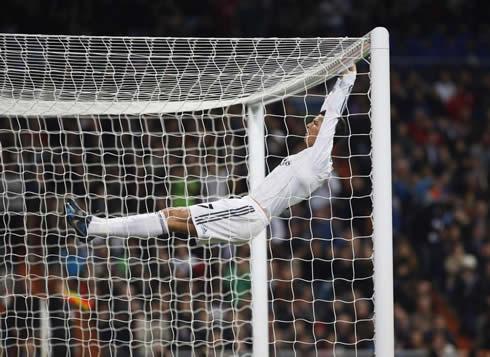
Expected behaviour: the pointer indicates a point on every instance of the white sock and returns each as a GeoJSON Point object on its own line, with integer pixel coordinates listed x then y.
{"type": "Point", "coordinates": [141, 225]}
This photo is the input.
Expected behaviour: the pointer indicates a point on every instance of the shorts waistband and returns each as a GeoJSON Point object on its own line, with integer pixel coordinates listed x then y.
{"type": "Point", "coordinates": [258, 207]}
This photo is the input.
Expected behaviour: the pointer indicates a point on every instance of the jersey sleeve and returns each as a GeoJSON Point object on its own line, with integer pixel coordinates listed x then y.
{"type": "Point", "coordinates": [332, 109]}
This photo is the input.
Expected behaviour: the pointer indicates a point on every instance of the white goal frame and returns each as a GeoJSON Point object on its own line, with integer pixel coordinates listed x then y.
{"type": "Point", "coordinates": [381, 175]}
{"type": "Point", "coordinates": [382, 219]}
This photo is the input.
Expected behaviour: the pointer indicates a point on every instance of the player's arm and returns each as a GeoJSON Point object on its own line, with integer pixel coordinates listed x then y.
{"type": "Point", "coordinates": [335, 101]}
{"type": "Point", "coordinates": [333, 107]}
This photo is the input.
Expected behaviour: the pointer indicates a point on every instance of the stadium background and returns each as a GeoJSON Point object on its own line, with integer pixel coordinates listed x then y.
{"type": "Point", "coordinates": [440, 131]}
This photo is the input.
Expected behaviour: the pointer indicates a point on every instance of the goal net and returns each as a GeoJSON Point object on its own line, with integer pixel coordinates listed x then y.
{"type": "Point", "coordinates": [134, 125]}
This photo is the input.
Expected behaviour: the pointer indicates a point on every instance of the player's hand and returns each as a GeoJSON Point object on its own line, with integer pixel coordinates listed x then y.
{"type": "Point", "coordinates": [350, 69]}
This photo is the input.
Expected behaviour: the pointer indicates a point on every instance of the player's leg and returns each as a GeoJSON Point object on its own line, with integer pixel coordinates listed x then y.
{"type": "Point", "coordinates": [140, 225]}
{"type": "Point", "coordinates": [227, 220]}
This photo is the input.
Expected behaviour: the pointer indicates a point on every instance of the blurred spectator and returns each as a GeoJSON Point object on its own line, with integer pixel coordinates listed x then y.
{"type": "Point", "coordinates": [445, 88]}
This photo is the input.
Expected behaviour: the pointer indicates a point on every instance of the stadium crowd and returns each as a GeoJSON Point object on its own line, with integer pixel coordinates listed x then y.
{"type": "Point", "coordinates": [438, 31]}
{"type": "Point", "coordinates": [147, 290]}
{"type": "Point", "coordinates": [440, 155]}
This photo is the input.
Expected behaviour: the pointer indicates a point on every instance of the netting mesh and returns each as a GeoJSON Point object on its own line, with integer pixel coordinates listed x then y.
{"type": "Point", "coordinates": [63, 75]}
{"type": "Point", "coordinates": [170, 297]}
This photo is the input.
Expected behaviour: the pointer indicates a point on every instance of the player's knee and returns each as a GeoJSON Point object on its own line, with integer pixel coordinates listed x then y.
{"type": "Point", "coordinates": [178, 213]}
{"type": "Point", "coordinates": [179, 220]}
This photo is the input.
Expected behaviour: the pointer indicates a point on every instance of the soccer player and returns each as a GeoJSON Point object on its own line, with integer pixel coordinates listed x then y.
{"type": "Point", "coordinates": [239, 220]}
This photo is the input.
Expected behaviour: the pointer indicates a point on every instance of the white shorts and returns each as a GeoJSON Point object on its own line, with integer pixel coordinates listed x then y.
{"type": "Point", "coordinates": [232, 220]}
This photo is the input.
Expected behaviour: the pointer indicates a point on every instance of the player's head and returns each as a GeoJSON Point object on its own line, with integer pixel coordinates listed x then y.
{"type": "Point", "coordinates": [312, 130]}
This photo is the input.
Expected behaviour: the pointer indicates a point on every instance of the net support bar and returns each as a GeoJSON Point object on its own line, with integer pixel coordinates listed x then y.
{"type": "Point", "coordinates": [382, 221]}
{"type": "Point", "coordinates": [258, 248]}
{"type": "Point", "coordinates": [45, 350]}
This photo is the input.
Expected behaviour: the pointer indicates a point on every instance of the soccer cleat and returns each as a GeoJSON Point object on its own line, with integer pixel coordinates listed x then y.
{"type": "Point", "coordinates": [77, 218]}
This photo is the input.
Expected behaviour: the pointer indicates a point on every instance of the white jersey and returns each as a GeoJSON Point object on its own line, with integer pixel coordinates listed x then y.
{"type": "Point", "coordinates": [299, 175]}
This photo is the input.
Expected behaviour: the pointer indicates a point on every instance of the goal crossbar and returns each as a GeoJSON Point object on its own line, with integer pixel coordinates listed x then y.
{"type": "Point", "coordinates": [69, 75]}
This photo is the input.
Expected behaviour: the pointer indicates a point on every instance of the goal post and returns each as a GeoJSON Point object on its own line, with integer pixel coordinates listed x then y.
{"type": "Point", "coordinates": [258, 246]}
{"type": "Point", "coordinates": [382, 217]}
{"type": "Point", "coordinates": [133, 125]}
